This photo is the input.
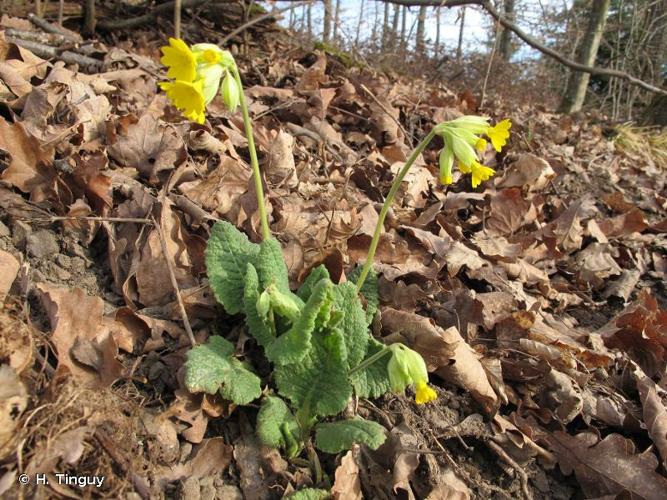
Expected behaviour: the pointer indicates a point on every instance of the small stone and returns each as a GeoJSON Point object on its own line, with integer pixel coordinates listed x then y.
{"type": "Point", "coordinates": [20, 232]}
{"type": "Point", "coordinates": [229, 492]}
{"type": "Point", "coordinates": [190, 489]}
{"type": "Point", "coordinates": [77, 265]}
{"type": "Point", "coordinates": [42, 244]}
{"type": "Point", "coordinates": [4, 231]}
{"type": "Point", "coordinates": [62, 274]}
{"type": "Point", "coordinates": [63, 260]}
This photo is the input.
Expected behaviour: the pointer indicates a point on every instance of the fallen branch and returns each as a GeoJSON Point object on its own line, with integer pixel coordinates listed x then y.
{"type": "Point", "coordinates": [37, 36]}
{"type": "Point", "coordinates": [47, 52]}
{"type": "Point", "coordinates": [133, 22]}
{"type": "Point", "coordinates": [488, 6]}
{"type": "Point", "coordinates": [52, 28]}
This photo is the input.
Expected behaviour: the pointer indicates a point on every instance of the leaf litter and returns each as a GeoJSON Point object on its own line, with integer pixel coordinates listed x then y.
{"type": "Point", "coordinates": [537, 300]}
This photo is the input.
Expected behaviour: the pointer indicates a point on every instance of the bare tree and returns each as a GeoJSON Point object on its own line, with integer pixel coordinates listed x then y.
{"type": "Point", "coordinates": [421, 28]}
{"type": "Point", "coordinates": [575, 94]}
{"type": "Point", "coordinates": [404, 26]}
{"type": "Point", "coordinates": [361, 18]}
{"type": "Point", "coordinates": [326, 32]}
{"type": "Point", "coordinates": [385, 26]}
{"type": "Point", "coordinates": [436, 49]}
{"type": "Point", "coordinates": [459, 46]}
{"type": "Point", "coordinates": [394, 26]}
{"type": "Point", "coordinates": [506, 34]}
{"type": "Point", "coordinates": [336, 21]}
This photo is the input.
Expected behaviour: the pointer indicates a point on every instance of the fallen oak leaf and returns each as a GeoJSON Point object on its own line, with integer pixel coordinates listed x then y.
{"type": "Point", "coordinates": [655, 413]}
{"type": "Point", "coordinates": [347, 484]}
{"type": "Point", "coordinates": [608, 467]}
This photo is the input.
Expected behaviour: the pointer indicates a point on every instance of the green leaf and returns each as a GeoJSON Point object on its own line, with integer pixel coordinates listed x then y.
{"type": "Point", "coordinates": [276, 425]}
{"type": "Point", "coordinates": [317, 274]}
{"type": "Point", "coordinates": [271, 265]}
{"type": "Point", "coordinates": [319, 382]}
{"type": "Point", "coordinates": [334, 437]}
{"type": "Point", "coordinates": [228, 252]}
{"type": "Point", "coordinates": [353, 324]}
{"type": "Point", "coordinates": [373, 381]}
{"type": "Point", "coordinates": [285, 303]}
{"type": "Point", "coordinates": [212, 367]}
{"type": "Point", "coordinates": [369, 290]}
{"type": "Point", "coordinates": [309, 494]}
{"type": "Point", "coordinates": [293, 345]}
{"type": "Point", "coordinates": [257, 326]}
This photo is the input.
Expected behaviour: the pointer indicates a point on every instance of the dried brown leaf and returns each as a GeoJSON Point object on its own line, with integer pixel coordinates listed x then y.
{"type": "Point", "coordinates": [347, 484]}
{"type": "Point", "coordinates": [655, 413]}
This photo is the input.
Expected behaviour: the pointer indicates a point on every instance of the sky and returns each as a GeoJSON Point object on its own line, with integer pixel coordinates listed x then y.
{"type": "Point", "coordinates": [477, 22]}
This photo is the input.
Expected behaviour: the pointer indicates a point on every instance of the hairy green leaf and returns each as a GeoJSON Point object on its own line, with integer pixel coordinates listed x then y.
{"type": "Point", "coordinates": [276, 425]}
{"type": "Point", "coordinates": [334, 437]}
{"type": "Point", "coordinates": [317, 274]}
{"type": "Point", "coordinates": [271, 266]}
{"type": "Point", "coordinates": [228, 252]}
{"type": "Point", "coordinates": [212, 367]}
{"type": "Point", "coordinates": [258, 326]}
{"type": "Point", "coordinates": [373, 381]}
{"type": "Point", "coordinates": [353, 324]}
{"type": "Point", "coordinates": [309, 494]}
{"type": "Point", "coordinates": [319, 382]}
{"type": "Point", "coordinates": [369, 290]}
{"type": "Point", "coordinates": [293, 345]}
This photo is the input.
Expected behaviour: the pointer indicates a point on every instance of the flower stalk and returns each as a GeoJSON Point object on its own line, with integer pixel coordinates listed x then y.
{"type": "Point", "coordinates": [389, 200]}
{"type": "Point", "coordinates": [254, 163]}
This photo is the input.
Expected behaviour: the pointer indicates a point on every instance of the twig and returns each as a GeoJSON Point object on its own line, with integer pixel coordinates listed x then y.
{"type": "Point", "coordinates": [36, 36]}
{"type": "Point", "coordinates": [51, 28]}
{"type": "Point", "coordinates": [488, 67]}
{"type": "Point", "coordinates": [133, 22]}
{"type": "Point", "coordinates": [405, 133]}
{"type": "Point", "coordinates": [140, 484]}
{"type": "Point", "coordinates": [56, 218]}
{"type": "Point", "coordinates": [523, 477]}
{"type": "Point", "coordinates": [174, 283]}
{"type": "Point", "coordinates": [259, 19]}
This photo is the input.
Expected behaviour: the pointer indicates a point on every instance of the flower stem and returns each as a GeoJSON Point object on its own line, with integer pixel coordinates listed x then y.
{"type": "Point", "coordinates": [387, 205]}
{"type": "Point", "coordinates": [370, 360]}
{"type": "Point", "coordinates": [247, 123]}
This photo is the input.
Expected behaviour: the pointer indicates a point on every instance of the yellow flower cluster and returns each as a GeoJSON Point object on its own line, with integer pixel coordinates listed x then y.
{"type": "Point", "coordinates": [195, 74]}
{"type": "Point", "coordinates": [463, 142]}
{"type": "Point", "coordinates": [407, 367]}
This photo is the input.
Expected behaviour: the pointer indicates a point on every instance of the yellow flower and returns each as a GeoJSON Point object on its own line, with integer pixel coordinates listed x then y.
{"type": "Point", "coordinates": [423, 393]}
{"type": "Point", "coordinates": [480, 173]}
{"type": "Point", "coordinates": [499, 134]}
{"type": "Point", "coordinates": [187, 97]}
{"type": "Point", "coordinates": [180, 60]}
{"type": "Point", "coordinates": [407, 367]}
{"type": "Point", "coordinates": [480, 145]}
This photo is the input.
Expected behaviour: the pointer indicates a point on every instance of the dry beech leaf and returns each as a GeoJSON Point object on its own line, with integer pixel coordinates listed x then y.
{"type": "Point", "coordinates": [655, 413]}
{"type": "Point", "coordinates": [13, 401]}
{"type": "Point", "coordinates": [347, 484]}
{"type": "Point", "coordinates": [71, 327]}
{"type": "Point", "coordinates": [529, 172]}
{"type": "Point", "coordinates": [211, 457]}
{"type": "Point", "coordinates": [259, 467]}
{"type": "Point", "coordinates": [30, 168]}
{"type": "Point", "coordinates": [509, 212]}
{"type": "Point", "coordinates": [67, 447]}
{"type": "Point", "coordinates": [566, 230]}
{"type": "Point", "coordinates": [608, 467]}
{"type": "Point", "coordinates": [451, 487]}
{"type": "Point", "coordinates": [10, 268]}
{"type": "Point", "coordinates": [624, 225]}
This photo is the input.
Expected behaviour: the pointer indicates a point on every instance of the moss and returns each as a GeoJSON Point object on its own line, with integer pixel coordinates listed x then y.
{"type": "Point", "coordinates": [346, 59]}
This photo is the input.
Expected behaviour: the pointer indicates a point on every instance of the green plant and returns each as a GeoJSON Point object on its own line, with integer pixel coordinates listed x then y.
{"type": "Point", "coordinates": [316, 340]}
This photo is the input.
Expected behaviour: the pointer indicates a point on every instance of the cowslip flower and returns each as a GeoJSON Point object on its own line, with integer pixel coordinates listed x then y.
{"type": "Point", "coordinates": [407, 367]}
{"type": "Point", "coordinates": [197, 72]}
{"type": "Point", "coordinates": [463, 142]}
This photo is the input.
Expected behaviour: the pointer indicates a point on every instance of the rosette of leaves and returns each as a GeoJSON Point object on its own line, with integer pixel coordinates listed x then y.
{"type": "Point", "coordinates": [313, 338]}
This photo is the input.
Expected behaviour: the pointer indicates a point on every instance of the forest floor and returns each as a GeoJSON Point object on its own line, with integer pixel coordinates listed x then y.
{"type": "Point", "coordinates": [537, 299]}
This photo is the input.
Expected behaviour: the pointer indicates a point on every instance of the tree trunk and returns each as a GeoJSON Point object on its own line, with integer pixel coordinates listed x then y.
{"type": "Point", "coordinates": [394, 26]}
{"type": "Point", "coordinates": [575, 94]}
{"type": "Point", "coordinates": [309, 17]}
{"type": "Point", "coordinates": [361, 18]}
{"type": "Point", "coordinates": [326, 31]}
{"type": "Point", "coordinates": [437, 32]}
{"type": "Point", "coordinates": [404, 26]}
{"type": "Point", "coordinates": [336, 21]}
{"type": "Point", "coordinates": [505, 34]}
{"type": "Point", "coordinates": [385, 26]}
{"type": "Point", "coordinates": [459, 47]}
{"type": "Point", "coordinates": [421, 25]}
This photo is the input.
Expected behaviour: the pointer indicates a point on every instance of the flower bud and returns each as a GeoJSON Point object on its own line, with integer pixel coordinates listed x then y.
{"type": "Point", "coordinates": [230, 92]}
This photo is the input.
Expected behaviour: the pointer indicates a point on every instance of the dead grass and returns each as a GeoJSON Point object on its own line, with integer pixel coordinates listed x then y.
{"type": "Point", "coordinates": [648, 143]}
